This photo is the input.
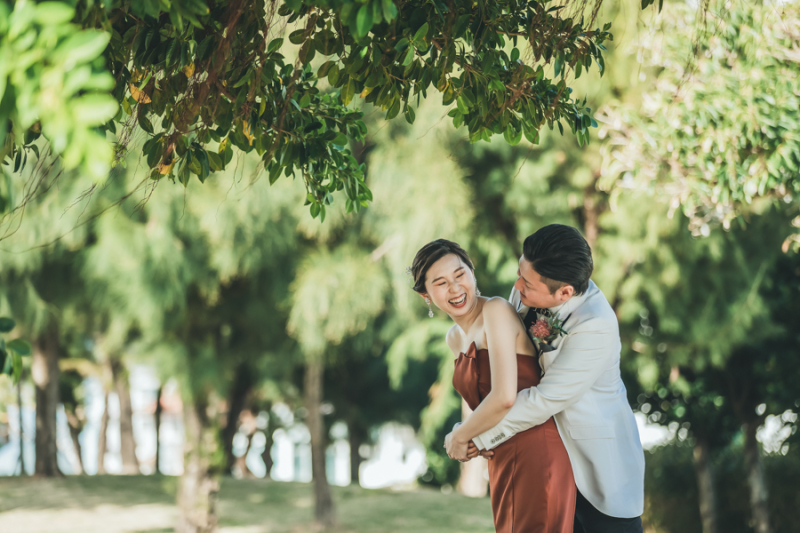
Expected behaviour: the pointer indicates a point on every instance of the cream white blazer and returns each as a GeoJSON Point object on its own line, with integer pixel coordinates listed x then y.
{"type": "Point", "coordinates": [583, 390]}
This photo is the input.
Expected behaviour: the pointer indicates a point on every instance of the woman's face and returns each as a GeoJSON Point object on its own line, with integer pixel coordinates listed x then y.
{"type": "Point", "coordinates": [451, 285]}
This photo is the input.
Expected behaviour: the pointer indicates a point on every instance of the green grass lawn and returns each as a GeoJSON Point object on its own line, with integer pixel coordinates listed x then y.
{"type": "Point", "coordinates": [109, 504]}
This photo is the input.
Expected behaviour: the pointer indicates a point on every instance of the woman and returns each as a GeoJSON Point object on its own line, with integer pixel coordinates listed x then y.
{"type": "Point", "coordinates": [530, 476]}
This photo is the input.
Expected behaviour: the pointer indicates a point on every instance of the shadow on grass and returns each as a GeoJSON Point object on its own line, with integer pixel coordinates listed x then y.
{"type": "Point", "coordinates": [257, 505]}
{"type": "Point", "coordinates": [85, 492]}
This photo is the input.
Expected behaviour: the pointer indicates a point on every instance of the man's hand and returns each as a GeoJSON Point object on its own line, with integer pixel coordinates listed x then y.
{"type": "Point", "coordinates": [473, 452]}
{"type": "Point", "coordinates": [456, 448]}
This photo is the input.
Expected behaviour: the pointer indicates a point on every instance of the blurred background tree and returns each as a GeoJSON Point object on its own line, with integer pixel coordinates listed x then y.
{"type": "Point", "coordinates": [718, 134]}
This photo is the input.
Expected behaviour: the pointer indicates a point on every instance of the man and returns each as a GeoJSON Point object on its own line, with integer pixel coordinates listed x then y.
{"type": "Point", "coordinates": [581, 386]}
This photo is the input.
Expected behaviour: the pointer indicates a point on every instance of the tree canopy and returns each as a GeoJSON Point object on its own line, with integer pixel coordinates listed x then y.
{"type": "Point", "coordinates": [203, 78]}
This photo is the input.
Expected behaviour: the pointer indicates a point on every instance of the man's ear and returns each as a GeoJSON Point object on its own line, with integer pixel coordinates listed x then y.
{"type": "Point", "coordinates": [565, 293]}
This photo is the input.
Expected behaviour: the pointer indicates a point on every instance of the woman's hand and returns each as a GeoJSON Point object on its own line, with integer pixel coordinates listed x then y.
{"type": "Point", "coordinates": [456, 446]}
{"type": "Point", "coordinates": [473, 452]}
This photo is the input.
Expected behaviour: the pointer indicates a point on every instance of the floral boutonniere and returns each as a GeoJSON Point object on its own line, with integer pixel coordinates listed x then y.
{"type": "Point", "coordinates": [547, 329]}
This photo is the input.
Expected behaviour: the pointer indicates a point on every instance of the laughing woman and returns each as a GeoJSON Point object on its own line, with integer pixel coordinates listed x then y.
{"type": "Point", "coordinates": [530, 477]}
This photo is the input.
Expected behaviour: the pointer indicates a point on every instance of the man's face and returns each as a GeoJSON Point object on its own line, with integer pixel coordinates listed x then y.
{"type": "Point", "coordinates": [534, 292]}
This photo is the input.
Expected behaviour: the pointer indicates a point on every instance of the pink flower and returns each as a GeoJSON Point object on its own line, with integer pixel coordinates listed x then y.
{"type": "Point", "coordinates": [541, 329]}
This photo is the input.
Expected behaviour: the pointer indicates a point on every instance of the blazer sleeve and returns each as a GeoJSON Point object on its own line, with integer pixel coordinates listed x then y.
{"type": "Point", "coordinates": [588, 351]}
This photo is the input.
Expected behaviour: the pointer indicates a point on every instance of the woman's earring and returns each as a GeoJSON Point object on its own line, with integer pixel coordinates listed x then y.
{"type": "Point", "coordinates": [477, 291]}
{"type": "Point", "coordinates": [430, 309]}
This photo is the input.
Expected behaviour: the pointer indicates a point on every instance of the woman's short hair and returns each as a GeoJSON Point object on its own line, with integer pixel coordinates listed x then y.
{"type": "Point", "coordinates": [429, 254]}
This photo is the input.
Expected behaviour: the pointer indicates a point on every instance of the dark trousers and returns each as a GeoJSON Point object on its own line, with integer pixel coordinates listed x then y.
{"type": "Point", "coordinates": [590, 520]}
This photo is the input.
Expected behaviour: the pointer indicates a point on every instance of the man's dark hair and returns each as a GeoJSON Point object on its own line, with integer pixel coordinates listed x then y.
{"type": "Point", "coordinates": [429, 254]}
{"type": "Point", "coordinates": [561, 256]}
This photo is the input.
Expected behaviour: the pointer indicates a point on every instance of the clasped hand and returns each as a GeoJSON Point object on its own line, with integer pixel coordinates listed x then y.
{"type": "Point", "coordinates": [461, 450]}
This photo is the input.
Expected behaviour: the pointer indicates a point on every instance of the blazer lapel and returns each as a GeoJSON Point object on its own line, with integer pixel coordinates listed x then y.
{"type": "Point", "coordinates": [567, 313]}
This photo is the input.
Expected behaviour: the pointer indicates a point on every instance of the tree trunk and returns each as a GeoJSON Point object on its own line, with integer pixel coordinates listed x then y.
{"type": "Point", "coordinates": [472, 482]}
{"type": "Point", "coordinates": [266, 455]}
{"type": "Point", "coordinates": [324, 510]}
{"type": "Point", "coordinates": [157, 468]}
{"type": "Point", "coordinates": [242, 384]}
{"type": "Point", "coordinates": [101, 441]}
{"type": "Point", "coordinates": [197, 491]}
{"type": "Point", "coordinates": [75, 428]}
{"type": "Point", "coordinates": [355, 437]}
{"type": "Point", "coordinates": [130, 464]}
{"type": "Point", "coordinates": [593, 207]}
{"type": "Point", "coordinates": [45, 373]}
{"type": "Point", "coordinates": [755, 478]}
{"type": "Point", "coordinates": [22, 471]}
{"type": "Point", "coordinates": [705, 486]}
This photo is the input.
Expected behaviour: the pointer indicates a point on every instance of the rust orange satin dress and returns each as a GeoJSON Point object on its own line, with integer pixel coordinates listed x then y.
{"type": "Point", "coordinates": [530, 476]}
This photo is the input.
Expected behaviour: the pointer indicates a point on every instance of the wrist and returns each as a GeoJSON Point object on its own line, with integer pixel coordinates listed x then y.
{"type": "Point", "coordinates": [459, 437]}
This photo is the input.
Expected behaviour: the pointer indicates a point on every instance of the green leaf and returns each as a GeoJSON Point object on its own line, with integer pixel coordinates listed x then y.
{"type": "Point", "coordinates": [274, 45]}
{"type": "Point", "coordinates": [274, 173]}
{"type": "Point", "coordinates": [461, 25]}
{"type": "Point", "coordinates": [389, 10]}
{"type": "Point", "coordinates": [244, 79]}
{"type": "Point", "coordinates": [364, 20]}
{"type": "Point", "coordinates": [458, 119]}
{"type": "Point", "coordinates": [82, 47]}
{"type": "Point", "coordinates": [532, 136]}
{"type": "Point", "coordinates": [202, 158]}
{"type": "Point", "coordinates": [203, 48]}
{"type": "Point", "coordinates": [348, 91]}
{"type": "Point", "coordinates": [94, 109]}
{"type": "Point", "coordinates": [324, 69]}
{"type": "Point", "coordinates": [183, 174]}
{"type": "Point", "coordinates": [53, 13]}
{"type": "Point", "coordinates": [8, 362]}
{"type": "Point", "coordinates": [21, 347]}
{"type": "Point", "coordinates": [401, 44]}
{"type": "Point", "coordinates": [145, 124]}
{"type": "Point", "coordinates": [409, 56]}
{"type": "Point", "coordinates": [294, 5]}
{"type": "Point", "coordinates": [333, 75]}
{"type": "Point", "coordinates": [421, 32]}
{"type": "Point", "coordinates": [515, 54]}
{"type": "Point", "coordinates": [296, 37]}
{"type": "Point", "coordinates": [6, 324]}
{"type": "Point", "coordinates": [394, 109]}
{"type": "Point", "coordinates": [512, 137]}
{"type": "Point", "coordinates": [410, 116]}
{"type": "Point", "coordinates": [173, 52]}
{"type": "Point", "coordinates": [214, 161]}
{"type": "Point", "coordinates": [462, 105]}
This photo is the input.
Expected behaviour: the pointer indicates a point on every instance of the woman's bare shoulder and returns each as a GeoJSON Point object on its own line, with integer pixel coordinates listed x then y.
{"type": "Point", "coordinates": [454, 338]}
{"type": "Point", "coordinates": [498, 307]}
